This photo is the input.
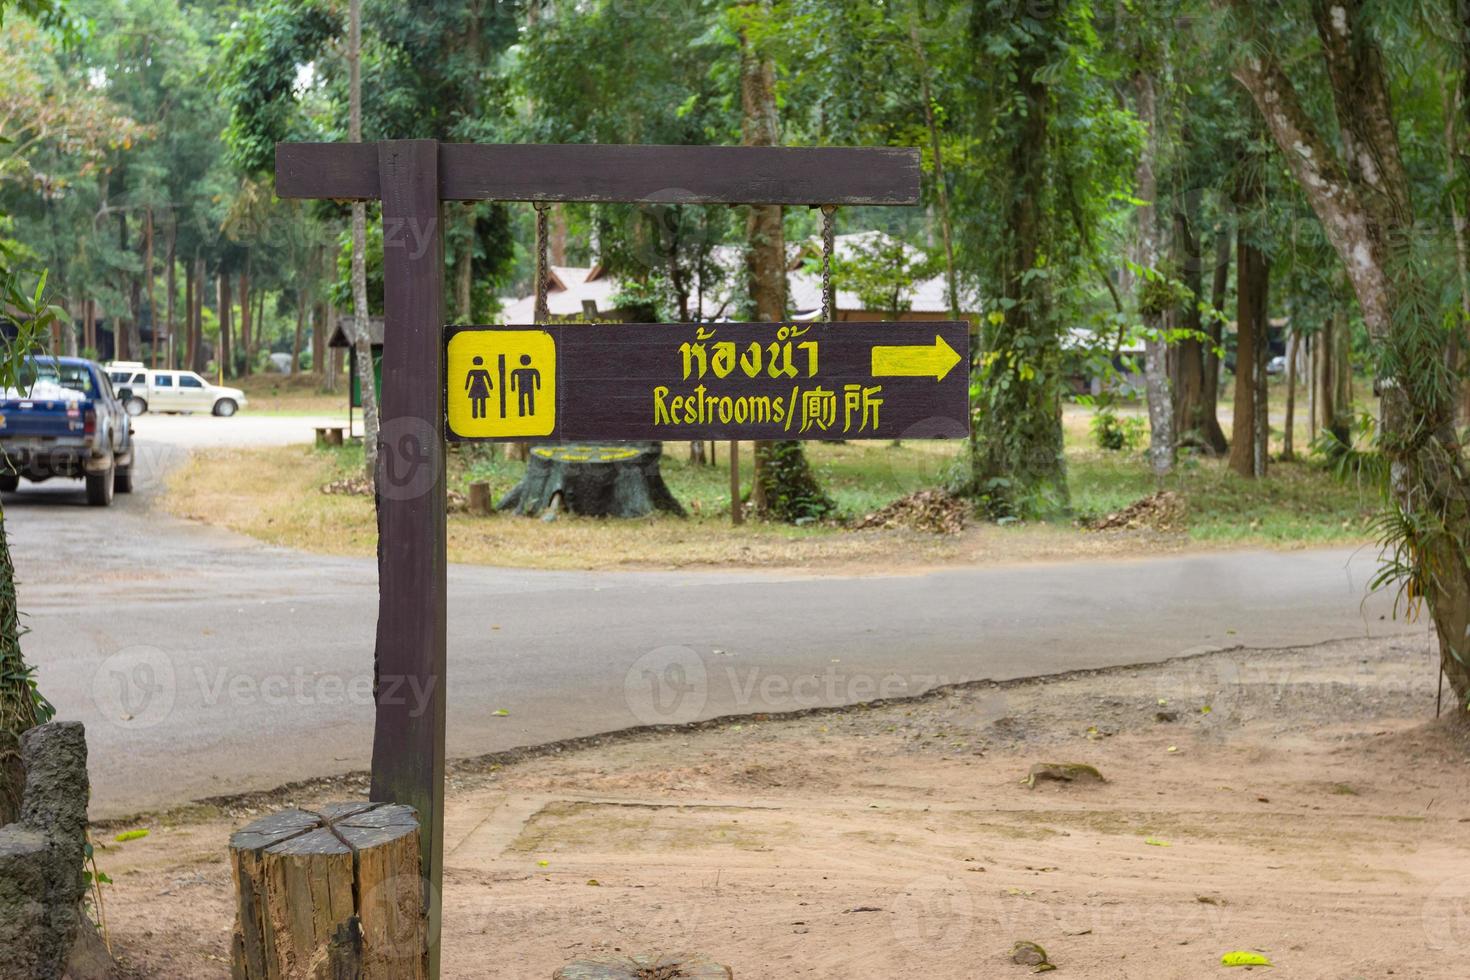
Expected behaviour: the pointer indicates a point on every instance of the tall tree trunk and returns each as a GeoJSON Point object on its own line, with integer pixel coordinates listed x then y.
{"type": "Point", "coordinates": [362, 343]}
{"type": "Point", "coordinates": [299, 339]}
{"type": "Point", "coordinates": [1210, 390]}
{"type": "Point", "coordinates": [941, 190]}
{"type": "Point", "coordinates": [464, 270]}
{"type": "Point", "coordinates": [89, 327]}
{"type": "Point", "coordinates": [1336, 408]}
{"type": "Point", "coordinates": [188, 352]}
{"type": "Point", "coordinates": [1151, 310]}
{"type": "Point", "coordinates": [1293, 349]}
{"type": "Point", "coordinates": [201, 277]}
{"type": "Point", "coordinates": [1017, 461]}
{"type": "Point", "coordinates": [783, 485]}
{"type": "Point", "coordinates": [1457, 148]}
{"type": "Point", "coordinates": [319, 322]}
{"type": "Point", "coordinates": [1363, 199]}
{"type": "Point", "coordinates": [1195, 370]}
{"type": "Point", "coordinates": [1252, 286]}
{"type": "Point", "coordinates": [148, 280]}
{"type": "Point", "coordinates": [223, 356]}
{"type": "Point", "coordinates": [247, 348]}
{"type": "Point", "coordinates": [333, 374]}
{"type": "Point", "coordinates": [170, 285]}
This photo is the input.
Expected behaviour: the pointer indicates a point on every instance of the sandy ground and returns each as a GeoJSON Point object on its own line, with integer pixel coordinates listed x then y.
{"type": "Point", "coordinates": [1301, 803]}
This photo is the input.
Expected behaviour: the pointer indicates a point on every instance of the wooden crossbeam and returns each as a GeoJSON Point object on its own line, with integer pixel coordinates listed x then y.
{"type": "Point", "coordinates": [630, 174]}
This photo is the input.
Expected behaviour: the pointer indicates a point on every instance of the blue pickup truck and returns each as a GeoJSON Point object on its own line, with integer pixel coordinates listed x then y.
{"type": "Point", "coordinates": [63, 419]}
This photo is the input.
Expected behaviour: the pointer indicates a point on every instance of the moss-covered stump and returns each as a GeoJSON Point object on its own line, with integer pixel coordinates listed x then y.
{"type": "Point", "coordinates": [644, 967]}
{"type": "Point", "coordinates": [601, 480]}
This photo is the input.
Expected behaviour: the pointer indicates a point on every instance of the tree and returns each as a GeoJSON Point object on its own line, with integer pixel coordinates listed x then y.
{"type": "Point", "coordinates": [1040, 187]}
{"type": "Point", "coordinates": [362, 343]}
{"type": "Point", "coordinates": [784, 485]}
{"type": "Point", "coordinates": [1363, 196]}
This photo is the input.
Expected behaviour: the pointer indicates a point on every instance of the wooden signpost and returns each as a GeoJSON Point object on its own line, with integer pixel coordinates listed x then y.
{"type": "Point", "coordinates": [913, 364]}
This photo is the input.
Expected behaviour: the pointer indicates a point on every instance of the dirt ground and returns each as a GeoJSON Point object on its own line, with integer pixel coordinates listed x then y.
{"type": "Point", "coordinates": [1301, 803]}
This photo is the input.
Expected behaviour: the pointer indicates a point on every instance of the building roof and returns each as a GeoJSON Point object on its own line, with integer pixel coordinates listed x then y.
{"type": "Point", "coordinates": [572, 286]}
{"type": "Point", "coordinates": [340, 337]}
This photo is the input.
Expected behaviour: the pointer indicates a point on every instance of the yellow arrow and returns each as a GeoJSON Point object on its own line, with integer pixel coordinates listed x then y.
{"type": "Point", "coordinates": [915, 362]}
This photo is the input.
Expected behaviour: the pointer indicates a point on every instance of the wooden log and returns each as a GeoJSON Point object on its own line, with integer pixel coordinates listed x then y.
{"type": "Point", "coordinates": [480, 504]}
{"type": "Point", "coordinates": [645, 967]}
{"type": "Point", "coordinates": [328, 893]}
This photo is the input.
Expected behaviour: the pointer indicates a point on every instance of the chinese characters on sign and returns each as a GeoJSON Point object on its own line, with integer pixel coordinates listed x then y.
{"type": "Point", "coordinates": [698, 381]}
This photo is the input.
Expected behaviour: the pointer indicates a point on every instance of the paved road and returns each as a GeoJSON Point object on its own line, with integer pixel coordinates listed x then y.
{"type": "Point", "coordinates": [205, 663]}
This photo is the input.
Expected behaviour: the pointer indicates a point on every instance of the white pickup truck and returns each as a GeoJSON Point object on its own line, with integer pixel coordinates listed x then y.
{"type": "Point", "coordinates": [142, 389]}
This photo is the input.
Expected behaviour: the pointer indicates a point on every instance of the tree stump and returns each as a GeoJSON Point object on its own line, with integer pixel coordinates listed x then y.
{"type": "Point", "coordinates": [644, 967]}
{"type": "Point", "coordinates": [479, 504]}
{"type": "Point", "coordinates": [328, 894]}
{"type": "Point", "coordinates": [613, 480]}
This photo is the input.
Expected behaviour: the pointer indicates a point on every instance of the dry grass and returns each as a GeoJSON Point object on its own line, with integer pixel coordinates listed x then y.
{"type": "Point", "coordinates": [274, 495]}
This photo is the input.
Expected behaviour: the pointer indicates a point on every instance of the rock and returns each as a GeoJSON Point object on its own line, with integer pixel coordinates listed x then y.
{"type": "Point", "coordinates": [1063, 772]}
{"type": "Point", "coordinates": [1027, 953]}
{"type": "Point", "coordinates": [1166, 716]}
{"type": "Point", "coordinates": [645, 967]}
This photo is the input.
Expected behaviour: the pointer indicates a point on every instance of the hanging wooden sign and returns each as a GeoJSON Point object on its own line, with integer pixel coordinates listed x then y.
{"type": "Point", "coordinates": [675, 381]}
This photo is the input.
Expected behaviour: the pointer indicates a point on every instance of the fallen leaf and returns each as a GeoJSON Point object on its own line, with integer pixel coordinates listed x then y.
{"type": "Point", "coordinates": [1155, 842]}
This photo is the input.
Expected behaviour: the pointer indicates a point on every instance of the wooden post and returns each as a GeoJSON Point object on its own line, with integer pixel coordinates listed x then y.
{"type": "Point", "coordinates": [479, 504]}
{"type": "Point", "coordinates": [408, 738]}
{"type": "Point", "coordinates": [334, 892]}
{"type": "Point", "coordinates": [736, 514]}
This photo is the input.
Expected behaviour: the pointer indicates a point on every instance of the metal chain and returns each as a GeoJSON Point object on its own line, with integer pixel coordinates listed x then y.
{"type": "Point", "coordinates": [543, 267]}
{"type": "Point", "coordinates": [829, 228]}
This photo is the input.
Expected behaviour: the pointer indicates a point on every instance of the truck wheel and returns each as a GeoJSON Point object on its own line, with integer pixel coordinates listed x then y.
{"type": "Point", "coordinates": [225, 407]}
{"type": "Point", "coordinates": [100, 485]}
{"type": "Point", "coordinates": [9, 483]}
{"type": "Point", "coordinates": [135, 406]}
{"type": "Point", "coordinates": [122, 479]}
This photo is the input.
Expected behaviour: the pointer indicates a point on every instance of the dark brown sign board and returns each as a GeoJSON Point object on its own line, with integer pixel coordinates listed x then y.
{"type": "Point", "coordinates": [412, 179]}
{"type": "Point", "coordinates": [672, 381]}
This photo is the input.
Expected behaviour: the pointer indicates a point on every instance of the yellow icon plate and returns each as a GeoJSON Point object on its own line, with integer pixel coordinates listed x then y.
{"type": "Point", "coordinates": [502, 383]}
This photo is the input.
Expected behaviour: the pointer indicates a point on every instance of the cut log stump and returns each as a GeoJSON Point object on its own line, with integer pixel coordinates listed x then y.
{"type": "Point", "coordinates": [479, 504]}
{"type": "Point", "coordinates": [329, 893]}
{"type": "Point", "coordinates": [613, 480]}
{"type": "Point", "coordinates": [645, 967]}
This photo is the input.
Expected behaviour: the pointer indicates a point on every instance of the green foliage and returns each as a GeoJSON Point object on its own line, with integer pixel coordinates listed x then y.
{"type": "Point", "coordinates": [881, 270]}
{"type": "Point", "coordinates": [263, 57]}
{"type": "Point", "coordinates": [1117, 433]}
